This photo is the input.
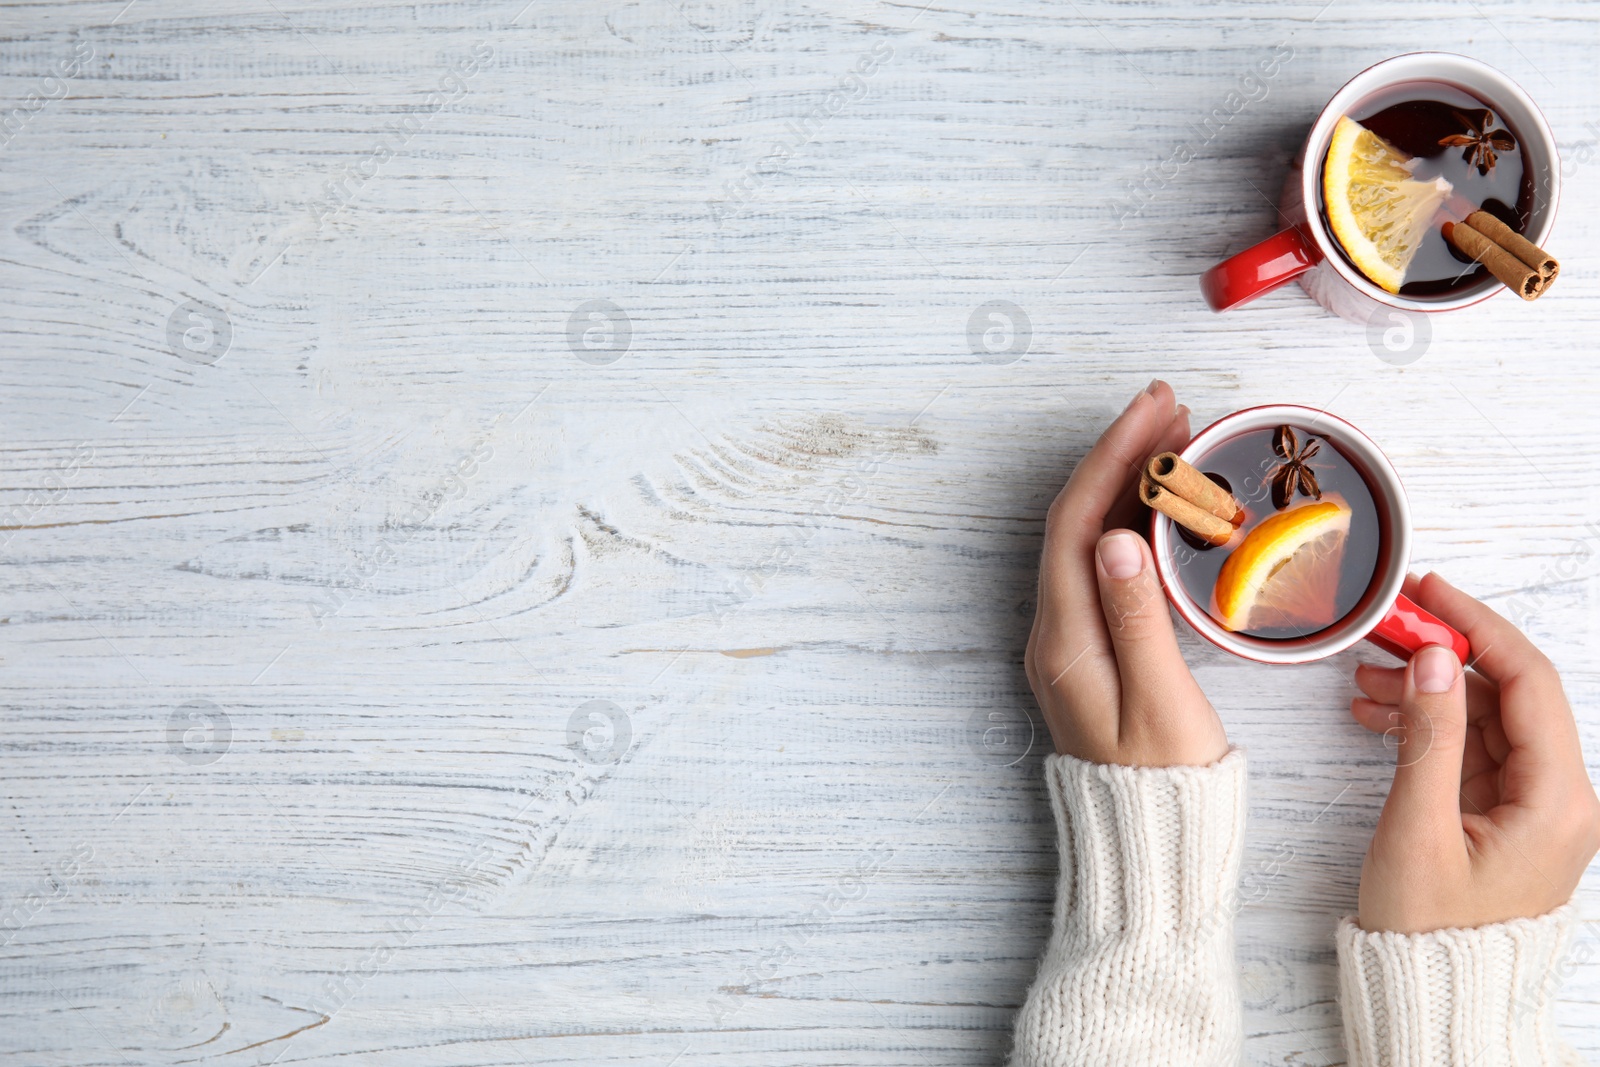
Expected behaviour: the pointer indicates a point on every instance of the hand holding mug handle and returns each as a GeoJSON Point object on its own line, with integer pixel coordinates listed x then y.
{"type": "Point", "coordinates": [1492, 815]}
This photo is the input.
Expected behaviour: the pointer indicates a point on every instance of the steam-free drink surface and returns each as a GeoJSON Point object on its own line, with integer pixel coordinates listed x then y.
{"type": "Point", "coordinates": [1249, 467]}
{"type": "Point", "coordinates": [1429, 121]}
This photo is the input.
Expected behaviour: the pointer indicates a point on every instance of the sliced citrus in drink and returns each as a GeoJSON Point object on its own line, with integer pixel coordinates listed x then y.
{"type": "Point", "coordinates": [1285, 573]}
{"type": "Point", "coordinates": [1378, 211]}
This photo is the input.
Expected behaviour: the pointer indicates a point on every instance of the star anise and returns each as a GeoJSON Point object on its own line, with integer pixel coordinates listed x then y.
{"type": "Point", "coordinates": [1293, 475]}
{"type": "Point", "coordinates": [1481, 140]}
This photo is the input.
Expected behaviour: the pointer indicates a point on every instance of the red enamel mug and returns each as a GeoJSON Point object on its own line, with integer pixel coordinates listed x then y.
{"type": "Point", "coordinates": [1305, 251]}
{"type": "Point", "coordinates": [1383, 615]}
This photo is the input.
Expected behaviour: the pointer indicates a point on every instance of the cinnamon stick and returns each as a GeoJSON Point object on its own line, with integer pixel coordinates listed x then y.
{"type": "Point", "coordinates": [1191, 517]}
{"type": "Point", "coordinates": [1518, 276]}
{"type": "Point", "coordinates": [1182, 479]}
{"type": "Point", "coordinates": [1518, 245]}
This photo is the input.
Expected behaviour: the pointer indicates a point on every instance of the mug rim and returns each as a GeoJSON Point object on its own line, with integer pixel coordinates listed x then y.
{"type": "Point", "coordinates": [1363, 85]}
{"type": "Point", "coordinates": [1382, 592]}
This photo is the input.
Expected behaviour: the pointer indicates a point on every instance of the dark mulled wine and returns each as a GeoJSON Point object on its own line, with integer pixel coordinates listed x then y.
{"type": "Point", "coordinates": [1445, 132]}
{"type": "Point", "coordinates": [1308, 545]}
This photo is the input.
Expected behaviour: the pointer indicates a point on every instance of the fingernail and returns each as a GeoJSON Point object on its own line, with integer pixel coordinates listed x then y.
{"type": "Point", "coordinates": [1140, 395]}
{"type": "Point", "coordinates": [1435, 669]}
{"type": "Point", "coordinates": [1155, 383]}
{"type": "Point", "coordinates": [1120, 555]}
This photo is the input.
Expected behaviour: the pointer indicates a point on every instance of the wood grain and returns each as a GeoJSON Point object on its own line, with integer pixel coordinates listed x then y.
{"type": "Point", "coordinates": [299, 641]}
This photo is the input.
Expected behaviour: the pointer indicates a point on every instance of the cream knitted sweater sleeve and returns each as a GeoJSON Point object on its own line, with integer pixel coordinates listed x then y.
{"type": "Point", "coordinates": [1139, 969]}
{"type": "Point", "coordinates": [1481, 996]}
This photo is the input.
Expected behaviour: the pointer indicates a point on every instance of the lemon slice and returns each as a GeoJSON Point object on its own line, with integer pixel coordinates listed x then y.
{"type": "Point", "coordinates": [1286, 570]}
{"type": "Point", "coordinates": [1378, 211]}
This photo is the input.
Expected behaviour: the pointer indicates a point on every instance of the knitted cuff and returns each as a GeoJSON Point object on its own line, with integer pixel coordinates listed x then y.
{"type": "Point", "coordinates": [1453, 996]}
{"type": "Point", "coordinates": [1146, 849]}
{"type": "Point", "coordinates": [1140, 967]}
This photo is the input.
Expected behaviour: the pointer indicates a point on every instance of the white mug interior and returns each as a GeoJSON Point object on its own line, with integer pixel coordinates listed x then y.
{"type": "Point", "coordinates": [1496, 90]}
{"type": "Point", "coordinates": [1394, 550]}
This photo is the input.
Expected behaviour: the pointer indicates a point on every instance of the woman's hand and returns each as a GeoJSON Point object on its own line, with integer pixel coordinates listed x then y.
{"type": "Point", "coordinates": [1102, 659]}
{"type": "Point", "coordinates": [1492, 815]}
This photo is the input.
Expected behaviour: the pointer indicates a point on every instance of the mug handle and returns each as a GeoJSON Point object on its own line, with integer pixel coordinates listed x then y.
{"type": "Point", "coordinates": [1406, 628]}
{"type": "Point", "coordinates": [1259, 269]}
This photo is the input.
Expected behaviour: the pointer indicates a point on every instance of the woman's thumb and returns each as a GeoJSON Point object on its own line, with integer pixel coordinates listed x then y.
{"type": "Point", "coordinates": [1430, 738]}
{"type": "Point", "coordinates": [1137, 621]}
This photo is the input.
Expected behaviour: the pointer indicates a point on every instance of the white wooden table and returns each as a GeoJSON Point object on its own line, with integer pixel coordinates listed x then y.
{"type": "Point", "coordinates": [512, 554]}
